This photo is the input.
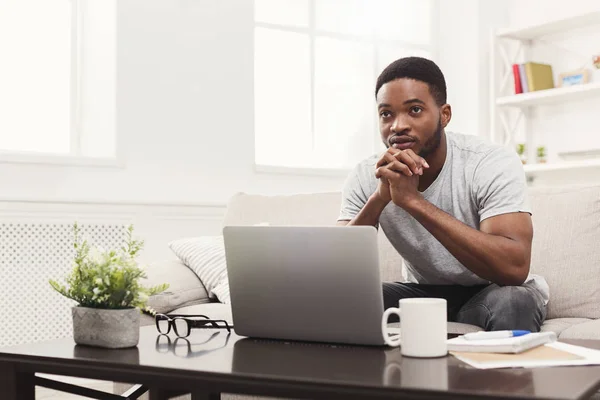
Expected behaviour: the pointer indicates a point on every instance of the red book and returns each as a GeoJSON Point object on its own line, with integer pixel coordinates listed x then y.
{"type": "Point", "coordinates": [517, 76]}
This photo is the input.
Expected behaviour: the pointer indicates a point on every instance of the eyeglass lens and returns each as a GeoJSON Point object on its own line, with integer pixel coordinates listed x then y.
{"type": "Point", "coordinates": [181, 327]}
{"type": "Point", "coordinates": [163, 326]}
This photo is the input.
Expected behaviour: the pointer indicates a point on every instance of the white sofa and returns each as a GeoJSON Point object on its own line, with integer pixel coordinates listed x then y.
{"type": "Point", "coordinates": [566, 251]}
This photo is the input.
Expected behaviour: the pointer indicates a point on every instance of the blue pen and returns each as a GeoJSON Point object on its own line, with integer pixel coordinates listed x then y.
{"type": "Point", "coordinates": [482, 335]}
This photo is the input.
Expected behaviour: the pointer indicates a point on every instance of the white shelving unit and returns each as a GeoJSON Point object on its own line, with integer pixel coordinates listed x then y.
{"type": "Point", "coordinates": [550, 27]}
{"type": "Point", "coordinates": [550, 96]}
{"type": "Point", "coordinates": [539, 168]}
{"type": "Point", "coordinates": [511, 46]}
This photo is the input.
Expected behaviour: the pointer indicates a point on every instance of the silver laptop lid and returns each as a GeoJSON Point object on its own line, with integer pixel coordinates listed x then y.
{"type": "Point", "coordinates": [305, 283]}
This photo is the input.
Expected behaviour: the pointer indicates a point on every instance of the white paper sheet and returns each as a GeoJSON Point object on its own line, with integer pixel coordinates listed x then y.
{"type": "Point", "coordinates": [591, 357]}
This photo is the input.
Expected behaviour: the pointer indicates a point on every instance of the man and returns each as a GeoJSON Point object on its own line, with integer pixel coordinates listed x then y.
{"type": "Point", "coordinates": [454, 206]}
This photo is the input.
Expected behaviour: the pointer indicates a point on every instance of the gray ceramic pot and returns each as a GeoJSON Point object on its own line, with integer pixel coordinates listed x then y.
{"type": "Point", "coordinates": [113, 329]}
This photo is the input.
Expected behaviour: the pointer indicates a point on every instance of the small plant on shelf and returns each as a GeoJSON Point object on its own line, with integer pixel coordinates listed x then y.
{"type": "Point", "coordinates": [521, 152]}
{"type": "Point", "coordinates": [541, 154]}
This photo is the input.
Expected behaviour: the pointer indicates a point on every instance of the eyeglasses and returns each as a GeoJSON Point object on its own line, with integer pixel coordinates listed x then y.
{"type": "Point", "coordinates": [183, 324]}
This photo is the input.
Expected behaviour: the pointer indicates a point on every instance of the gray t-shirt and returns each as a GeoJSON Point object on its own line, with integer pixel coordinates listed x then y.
{"type": "Point", "coordinates": [479, 180]}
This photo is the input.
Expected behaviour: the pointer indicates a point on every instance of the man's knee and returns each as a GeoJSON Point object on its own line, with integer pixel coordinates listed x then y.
{"type": "Point", "coordinates": [508, 307]}
{"type": "Point", "coordinates": [393, 292]}
{"type": "Point", "coordinates": [516, 307]}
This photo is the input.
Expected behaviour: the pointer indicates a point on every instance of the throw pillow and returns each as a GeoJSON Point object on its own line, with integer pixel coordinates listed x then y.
{"type": "Point", "coordinates": [205, 256]}
{"type": "Point", "coordinates": [185, 289]}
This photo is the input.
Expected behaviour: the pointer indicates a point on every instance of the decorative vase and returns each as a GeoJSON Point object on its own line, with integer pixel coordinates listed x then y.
{"type": "Point", "coordinates": [113, 329]}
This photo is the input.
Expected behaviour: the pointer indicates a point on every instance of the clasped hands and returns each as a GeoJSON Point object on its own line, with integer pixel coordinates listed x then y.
{"type": "Point", "coordinates": [398, 172]}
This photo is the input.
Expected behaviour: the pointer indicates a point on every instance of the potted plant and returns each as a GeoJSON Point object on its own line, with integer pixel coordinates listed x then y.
{"type": "Point", "coordinates": [541, 154]}
{"type": "Point", "coordinates": [106, 286]}
{"type": "Point", "coordinates": [521, 152]}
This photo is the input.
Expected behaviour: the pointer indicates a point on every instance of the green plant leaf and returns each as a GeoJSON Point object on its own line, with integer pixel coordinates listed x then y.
{"type": "Point", "coordinates": [108, 279]}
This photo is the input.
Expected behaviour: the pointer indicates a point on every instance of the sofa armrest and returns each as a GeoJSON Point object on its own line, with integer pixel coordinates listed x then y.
{"type": "Point", "coordinates": [589, 330]}
{"type": "Point", "coordinates": [185, 289]}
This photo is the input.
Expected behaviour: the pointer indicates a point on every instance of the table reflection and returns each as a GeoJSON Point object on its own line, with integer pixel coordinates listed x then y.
{"type": "Point", "coordinates": [378, 366]}
{"type": "Point", "coordinates": [129, 355]}
{"type": "Point", "coordinates": [464, 377]}
{"type": "Point", "coordinates": [310, 360]}
{"type": "Point", "coordinates": [418, 373]}
{"type": "Point", "coordinates": [183, 347]}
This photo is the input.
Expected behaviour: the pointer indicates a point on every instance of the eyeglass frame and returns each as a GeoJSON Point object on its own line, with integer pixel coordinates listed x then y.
{"type": "Point", "coordinates": [190, 322]}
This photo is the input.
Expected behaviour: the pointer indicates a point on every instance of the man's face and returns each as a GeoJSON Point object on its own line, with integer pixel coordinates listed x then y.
{"type": "Point", "coordinates": [409, 117]}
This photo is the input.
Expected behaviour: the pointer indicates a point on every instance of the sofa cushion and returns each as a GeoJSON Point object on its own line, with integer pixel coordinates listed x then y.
{"type": "Point", "coordinates": [586, 330]}
{"type": "Point", "coordinates": [205, 256]}
{"type": "Point", "coordinates": [211, 310]}
{"type": "Point", "coordinates": [558, 325]}
{"type": "Point", "coordinates": [184, 286]}
{"type": "Point", "coordinates": [315, 209]}
{"type": "Point", "coordinates": [565, 250]}
{"type": "Point", "coordinates": [460, 328]}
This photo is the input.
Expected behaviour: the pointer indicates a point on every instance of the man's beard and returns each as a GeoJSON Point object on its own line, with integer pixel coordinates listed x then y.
{"type": "Point", "coordinates": [432, 143]}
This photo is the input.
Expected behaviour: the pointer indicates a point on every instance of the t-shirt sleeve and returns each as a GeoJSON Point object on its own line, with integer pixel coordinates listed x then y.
{"type": "Point", "coordinates": [500, 184]}
{"type": "Point", "coordinates": [354, 197]}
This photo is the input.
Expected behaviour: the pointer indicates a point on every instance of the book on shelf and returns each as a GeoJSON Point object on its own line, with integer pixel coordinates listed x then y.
{"type": "Point", "coordinates": [530, 77]}
{"type": "Point", "coordinates": [517, 76]}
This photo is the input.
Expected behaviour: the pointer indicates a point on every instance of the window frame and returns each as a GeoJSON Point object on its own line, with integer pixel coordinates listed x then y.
{"type": "Point", "coordinates": [75, 156]}
{"type": "Point", "coordinates": [372, 39]}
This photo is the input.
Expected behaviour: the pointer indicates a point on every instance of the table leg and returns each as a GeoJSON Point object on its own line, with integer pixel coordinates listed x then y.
{"type": "Point", "coordinates": [205, 396]}
{"type": "Point", "coordinates": [15, 384]}
{"type": "Point", "coordinates": [165, 394]}
{"type": "Point", "coordinates": [158, 394]}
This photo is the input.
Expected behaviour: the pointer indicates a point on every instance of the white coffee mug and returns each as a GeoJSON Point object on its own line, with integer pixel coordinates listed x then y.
{"type": "Point", "coordinates": [423, 327]}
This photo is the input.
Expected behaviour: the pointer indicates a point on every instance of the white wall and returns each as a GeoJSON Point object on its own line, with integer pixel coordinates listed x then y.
{"type": "Point", "coordinates": [184, 102]}
{"type": "Point", "coordinates": [526, 12]}
{"type": "Point", "coordinates": [184, 113]}
{"type": "Point", "coordinates": [464, 31]}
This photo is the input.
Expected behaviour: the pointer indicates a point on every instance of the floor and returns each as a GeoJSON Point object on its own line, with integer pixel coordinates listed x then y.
{"type": "Point", "coordinates": [48, 394]}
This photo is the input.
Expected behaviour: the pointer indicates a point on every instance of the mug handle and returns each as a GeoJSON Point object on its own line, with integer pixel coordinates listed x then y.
{"type": "Point", "coordinates": [395, 342]}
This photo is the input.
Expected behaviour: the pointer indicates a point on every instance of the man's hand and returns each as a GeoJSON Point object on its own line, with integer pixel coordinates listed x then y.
{"type": "Point", "coordinates": [395, 169]}
{"type": "Point", "coordinates": [406, 162]}
{"type": "Point", "coordinates": [403, 189]}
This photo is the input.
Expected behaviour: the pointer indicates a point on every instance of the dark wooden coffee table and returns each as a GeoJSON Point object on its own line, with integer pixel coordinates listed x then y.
{"type": "Point", "coordinates": [210, 362]}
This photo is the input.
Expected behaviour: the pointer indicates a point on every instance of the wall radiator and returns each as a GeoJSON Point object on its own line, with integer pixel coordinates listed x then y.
{"type": "Point", "coordinates": [30, 255]}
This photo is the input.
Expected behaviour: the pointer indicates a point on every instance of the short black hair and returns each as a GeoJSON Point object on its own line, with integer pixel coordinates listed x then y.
{"type": "Point", "coordinates": [417, 68]}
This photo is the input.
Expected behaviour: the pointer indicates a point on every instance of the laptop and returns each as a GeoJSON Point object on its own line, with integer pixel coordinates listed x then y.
{"type": "Point", "coordinates": [316, 284]}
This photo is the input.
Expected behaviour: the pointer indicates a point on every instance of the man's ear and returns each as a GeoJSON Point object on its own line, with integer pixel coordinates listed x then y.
{"type": "Point", "coordinates": [446, 114]}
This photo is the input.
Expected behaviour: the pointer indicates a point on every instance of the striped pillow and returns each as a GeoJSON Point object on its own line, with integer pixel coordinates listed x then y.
{"type": "Point", "coordinates": [205, 256]}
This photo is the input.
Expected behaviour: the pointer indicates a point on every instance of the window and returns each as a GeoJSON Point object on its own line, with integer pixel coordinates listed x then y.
{"type": "Point", "coordinates": [57, 77]}
{"type": "Point", "coordinates": [315, 67]}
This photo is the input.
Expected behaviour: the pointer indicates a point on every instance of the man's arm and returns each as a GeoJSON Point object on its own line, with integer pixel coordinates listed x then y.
{"type": "Point", "coordinates": [411, 164]}
{"type": "Point", "coordinates": [499, 252]}
{"type": "Point", "coordinates": [369, 214]}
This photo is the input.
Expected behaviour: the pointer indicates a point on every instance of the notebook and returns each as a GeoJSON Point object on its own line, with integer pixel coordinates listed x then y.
{"type": "Point", "coordinates": [555, 354]}
{"type": "Point", "coordinates": [508, 345]}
